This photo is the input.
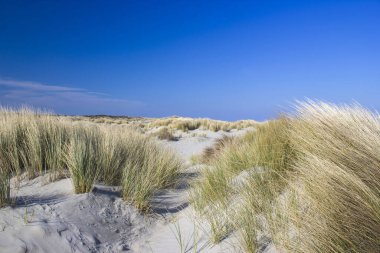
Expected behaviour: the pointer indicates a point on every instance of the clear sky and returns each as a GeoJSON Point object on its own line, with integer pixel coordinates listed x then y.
{"type": "Point", "coordinates": [220, 59]}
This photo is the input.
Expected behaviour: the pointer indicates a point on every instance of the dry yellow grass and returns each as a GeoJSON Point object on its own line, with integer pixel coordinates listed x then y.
{"type": "Point", "coordinates": [148, 167]}
{"type": "Point", "coordinates": [309, 182]}
{"type": "Point", "coordinates": [165, 134]}
{"type": "Point", "coordinates": [264, 151]}
{"type": "Point", "coordinates": [171, 123]}
{"type": "Point", "coordinates": [189, 124]}
{"type": "Point", "coordinates": [338, 180]}
{"type": "Point", "coordinates": [210, 153]}
{"type": "Point", "coordinates": [36, 143]}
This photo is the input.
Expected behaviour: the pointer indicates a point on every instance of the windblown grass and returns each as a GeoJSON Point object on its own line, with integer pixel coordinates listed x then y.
{"type": "Point", "coordinates": [82, 158]}
{"type": "Point", "coordinates": [148, 167]}
{"type": "Point", "coordinates": [338, 178]}
{"type": "Point", "coordinates": [210, 153]}
{"type": "Point", "coordinates": [189, 124]}
{"type": "Point", "coordinates": [35, 143]}
{"type": "Point", "coordinates": [184, 124]}
{"type": "Point", "coordinates": [265, 150]}
{"type": "Point", "coordinates": [114, 154]}
{"type": "Point", "coordinates": [5, 190]}
{"type": "Point", "coordinates": [165, 134]}
{"type": "Point", "coordinates": [308, 182]}
{"type": "Point", "coordinates": [31, 142]}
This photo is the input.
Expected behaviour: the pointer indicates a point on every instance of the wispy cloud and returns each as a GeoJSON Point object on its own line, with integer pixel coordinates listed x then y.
{"type": "Point", "coordinates": [63, 99]}
{"type": "Point", "coordinates": [35, 86]}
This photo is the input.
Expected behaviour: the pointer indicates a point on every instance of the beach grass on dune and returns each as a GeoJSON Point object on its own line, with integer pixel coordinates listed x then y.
{"type": "Point", "coordinates": [113, 157]}
{"type": "Point", "coordinates": [308, 182]}
{"type": "Point", "coordinates": [35, 143]}
{"type": "Point", "coordinates": [189, 124]}
{"type": "Point", "coordinates": [165, 134]}
{"type": "Point", "coordinates": [82, 158]}
{"type": "Point", "coordinates": [338, 179]}
{"type": "Point", "coordinates": [210, 153]}
{"type": "Point", "coordinates": [5, 197]}
{"type": "Point", "coordinates": [265, 148]}
{"type": "Point", "coordinates": [151, 166]}
{"type": "Point", "coordinates": [184, 124]}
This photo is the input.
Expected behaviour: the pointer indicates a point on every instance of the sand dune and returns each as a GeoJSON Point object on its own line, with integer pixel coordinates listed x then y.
{"type": "Point", "coordinates": [49, 217]}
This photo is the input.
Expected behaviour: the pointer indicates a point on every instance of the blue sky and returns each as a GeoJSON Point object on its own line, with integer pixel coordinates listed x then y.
{"type": "Point", "coordinates": [220, 59]}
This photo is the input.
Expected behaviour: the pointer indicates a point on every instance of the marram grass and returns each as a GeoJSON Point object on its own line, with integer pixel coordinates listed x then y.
{"type": "Point", "coordinates": [338, 179]}
{"type": "Point", "coordinates": [148, 167]}
{"type": "Point", "coordinates": [309, 182]}
{"type": "Point", "coordinates": [260, 154]}
{"type": "Point", "coordinates": [5, 197]}
{"type": "Point", "coordinates": [189, 124]}
{"type": "Point", "coordinates": [82, 158]}
{"type": "Point", "coordinates": [35, 142]}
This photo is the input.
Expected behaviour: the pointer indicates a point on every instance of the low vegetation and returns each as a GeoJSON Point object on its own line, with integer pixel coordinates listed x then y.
{"type": "Point", "coordinates": [148, 167]}
{"type": "Point", "coordinates": [171, 123]}
{"type": "Point", "coordinates": [260, 154]}
{"type": "Point", "coordinates": [309, 182]}
{"type": "Point", "coordinates": [82, 158]}
{"type": "Point", "coordinates": [338, 180]}
{"type": "Point", "coordinates": [5, 197]}
{"type": "Point", "coordinates": [210, 153]}
{"type": "Point", "coordinates": [166, 134]}
{"type": "Point", "coordinates": [189, 124]}
{"type": "Point", "coordinates": [37, 142]}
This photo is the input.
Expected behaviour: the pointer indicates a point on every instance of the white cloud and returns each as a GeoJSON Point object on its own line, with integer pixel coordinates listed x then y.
{"type": "Point", "coordinates": [35, 86]}
{"type": "Point", "coordinates": [63, 99]}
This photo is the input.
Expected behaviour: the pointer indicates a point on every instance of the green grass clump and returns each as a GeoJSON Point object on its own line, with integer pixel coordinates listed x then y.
{"type": "Point", "coordinates": [113, 156]}
{"type": "Point", "coordinates": [266, 150]}
{"type": "Point", "coordinates": [25, 146]}
{"type": "Point", "coordinates": [189, 124]}
{"type": "Point", "coordinates": [54, 135]}
{"type": "Point", "coordinates": [165, 134]}
{"type": "Point", "coordinates": [5, 197]}
{"type": "Point", "coordinates": [308, 183]}
{"type": "Point", "coordinates": [338, 179]}
{"type": "Point", "coordinates": [82, 158]}
{"type": "Point", "coordinates": [120, 157]}
{"type": "Point", "coordinates": [36, 143]}
{"type": "Point", "coordinates": [32, 142]}
{"type": "Point", "coordinates": [210, 153]}
{"type": "Point", "coordinates": [148, 167]}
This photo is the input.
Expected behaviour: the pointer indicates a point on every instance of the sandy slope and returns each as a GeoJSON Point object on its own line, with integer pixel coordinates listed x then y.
{"type": "Point", "coordinates": [180, 231]}
{"type": "Point", "coordinates": [51, 218]}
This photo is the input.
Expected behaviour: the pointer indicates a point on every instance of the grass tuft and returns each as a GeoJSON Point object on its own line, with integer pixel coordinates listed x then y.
{"type": "Point", "coordinates": [165, 134]}
{"type": "Point", "coordinates": [81, 158]}
{"type": "Point", "coordinates": [148, 168]}
{"type": "Point", "coordinates": [5, 197]}
{"type": "Point", "coordinates": [212, 152]}
{"type": "Point", "coordinates": [35, 143]}
{"type": "Point", "coordinates": [308, 182]}
{"type": "Point", "coordinates": [338, 178]}
{"type": "Point", "coordinates": [258, 156]}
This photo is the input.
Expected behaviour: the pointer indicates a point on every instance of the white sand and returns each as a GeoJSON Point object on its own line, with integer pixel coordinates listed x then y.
{"type": "Point", "coordinates": [51, 218]}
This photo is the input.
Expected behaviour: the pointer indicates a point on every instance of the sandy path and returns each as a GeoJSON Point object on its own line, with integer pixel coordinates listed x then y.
{"type": "Point", "coordinates": [177, 230]}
